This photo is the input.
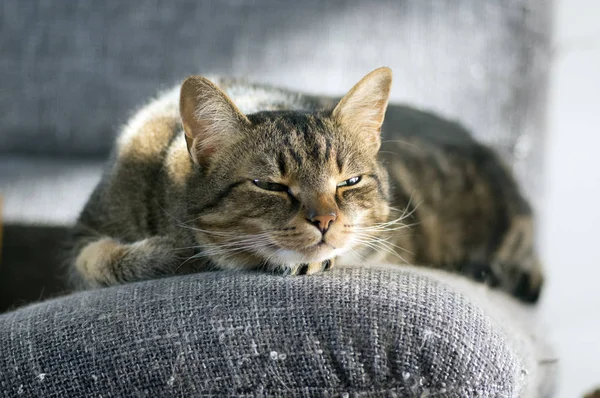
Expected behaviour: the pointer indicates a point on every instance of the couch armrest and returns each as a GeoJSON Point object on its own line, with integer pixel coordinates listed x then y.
{"type": "Point", "coordinates": [347, 332]}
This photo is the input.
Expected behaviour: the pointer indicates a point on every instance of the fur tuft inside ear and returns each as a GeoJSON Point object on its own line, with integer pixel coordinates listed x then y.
{"type": "Point", "coordinates": [362, 110]}
{"type": "Point", "coordinates": [210, 120]}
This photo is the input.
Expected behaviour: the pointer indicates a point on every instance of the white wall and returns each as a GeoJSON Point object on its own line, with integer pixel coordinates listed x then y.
{"type": "Point", "coordinates": [571, 209]}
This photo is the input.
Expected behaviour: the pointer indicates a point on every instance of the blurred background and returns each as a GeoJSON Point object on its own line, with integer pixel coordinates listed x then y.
{"type": "Point", "coordinates": [570, 209]}
{"type": "Point", "coordinates": [522, 75]}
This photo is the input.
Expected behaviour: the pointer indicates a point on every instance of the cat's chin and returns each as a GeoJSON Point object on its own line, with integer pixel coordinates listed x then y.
{"type": "Point", "coordinates": [313, 254]}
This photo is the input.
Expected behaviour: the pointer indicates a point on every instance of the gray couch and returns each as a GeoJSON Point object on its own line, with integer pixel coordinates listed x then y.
{"type": "Point", "coordinates": [72, 72]}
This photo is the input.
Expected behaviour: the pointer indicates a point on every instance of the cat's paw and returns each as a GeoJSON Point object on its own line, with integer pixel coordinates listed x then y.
{"type": "Point", "coordinates": [97, 259]}
{"type": "Point", "coordinates": [528, 286]}
{"type": "Point", "coordinates": [523, 280]}
{"type": "Point", "coordinates": [524, 284]}
{"type": "Point", "coordinates": [312, 268]}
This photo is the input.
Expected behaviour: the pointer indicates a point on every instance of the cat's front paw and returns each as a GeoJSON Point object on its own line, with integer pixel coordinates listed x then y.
{"type": "Point", "coordinates": [311, 268]}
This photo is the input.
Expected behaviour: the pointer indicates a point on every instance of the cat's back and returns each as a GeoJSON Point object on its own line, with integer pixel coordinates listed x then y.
{"type": "Point", "coordinates": [463, 198]}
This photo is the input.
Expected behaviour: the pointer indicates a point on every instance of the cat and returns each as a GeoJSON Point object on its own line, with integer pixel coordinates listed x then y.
{"type": "Point", "coordinates": [294, 184]}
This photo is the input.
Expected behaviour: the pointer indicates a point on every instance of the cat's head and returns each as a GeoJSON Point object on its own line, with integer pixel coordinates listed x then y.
{"type": "Point", "coordinates": [284, 188]}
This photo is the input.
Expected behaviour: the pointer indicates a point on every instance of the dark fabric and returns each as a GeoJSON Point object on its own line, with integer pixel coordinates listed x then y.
{"type": "Point", "coordinates": [352, 332]}
{"type": "Point", "coordinates": [22, 279]}
{"type": "Point", "coordinates": [73, 71]}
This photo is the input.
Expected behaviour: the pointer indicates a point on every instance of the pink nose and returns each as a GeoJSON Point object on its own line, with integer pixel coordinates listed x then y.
{"type": "Point", "coordinates": [323, 222]}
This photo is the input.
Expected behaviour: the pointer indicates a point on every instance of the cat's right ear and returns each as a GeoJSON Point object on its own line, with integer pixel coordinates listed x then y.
{"type": "Point", "coordinates": [210, 120]}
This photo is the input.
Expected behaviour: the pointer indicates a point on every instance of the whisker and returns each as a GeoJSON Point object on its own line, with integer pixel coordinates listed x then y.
{"type": "Point", "coordinates": [234, 248]}
{"type": "Point", "coordinates": [357, 254]}
{"type": "Point", "coordinates": [386, 226]}
{"type": "Point", "coordinates": [232, 241]}
{"type": "Point", "coordinates": [230, 247]}
{"type": "Point", "coordinates": [208, 232]}
{"type": "Point", "coordinates": [384, 241]}
{"type": "Point", "coordinates": [380, 246]}
{"type": "Point", "coordinates": [403, 142]}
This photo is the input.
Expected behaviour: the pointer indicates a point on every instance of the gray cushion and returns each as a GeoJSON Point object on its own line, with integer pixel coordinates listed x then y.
{"type": "Point", "coordinates": [73, 71]}
{"type": "Point", "coordinates": [348, 332]}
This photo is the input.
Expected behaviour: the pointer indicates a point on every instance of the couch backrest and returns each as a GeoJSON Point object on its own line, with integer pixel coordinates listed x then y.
{"type": "Point", "coordinates": [72, 71]}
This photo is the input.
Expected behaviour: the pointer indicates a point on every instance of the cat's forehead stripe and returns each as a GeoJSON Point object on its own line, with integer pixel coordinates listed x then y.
{"type": "Point", "coordinates": [303, 142]}
{"type": "Point", "coordinates": [290, 142]}
{"type": "Point", "coordinates": [281, 164]}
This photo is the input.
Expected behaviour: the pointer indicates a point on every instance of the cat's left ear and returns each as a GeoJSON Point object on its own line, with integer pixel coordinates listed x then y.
{"type": "Point", "coordinates": [362, 110]}
{"type": "Point", "coordinates": [210, 120]}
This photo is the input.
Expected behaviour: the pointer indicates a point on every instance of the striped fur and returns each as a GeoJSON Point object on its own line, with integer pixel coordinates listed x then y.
{"type": "Point", "coordinates": [185, 192]}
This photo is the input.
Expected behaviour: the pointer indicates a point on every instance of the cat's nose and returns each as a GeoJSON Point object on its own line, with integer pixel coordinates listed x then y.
{"type": "Point", "coordinates": [323, 222]}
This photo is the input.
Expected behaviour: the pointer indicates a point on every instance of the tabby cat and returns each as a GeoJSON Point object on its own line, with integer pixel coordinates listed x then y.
{"type": "Point", "coordinates": [293, 183]}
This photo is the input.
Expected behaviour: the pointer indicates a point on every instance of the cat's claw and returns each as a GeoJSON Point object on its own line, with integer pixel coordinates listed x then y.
{"type": "Point", "coordinates": [312, 268]}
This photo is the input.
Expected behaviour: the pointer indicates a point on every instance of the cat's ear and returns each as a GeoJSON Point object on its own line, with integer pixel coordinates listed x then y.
{"type": "Point", "coordinates": [362, 110]}
{"type": "Point", "coordinates": [210, 120]}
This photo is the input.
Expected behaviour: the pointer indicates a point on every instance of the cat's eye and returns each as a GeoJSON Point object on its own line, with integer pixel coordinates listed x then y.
{"type": "Point", "coordinates": [349, 182]}
{"type": "Point", "coordinates": [270, 186]}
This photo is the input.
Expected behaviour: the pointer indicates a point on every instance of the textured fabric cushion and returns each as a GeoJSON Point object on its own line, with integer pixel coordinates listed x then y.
{"type": "Point", "coordinates": [73, 71]}
{"type": "Point", "coordinates": [348, 332]}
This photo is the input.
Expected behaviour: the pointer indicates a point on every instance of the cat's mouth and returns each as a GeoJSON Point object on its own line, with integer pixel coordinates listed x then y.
{"type": "Point", "coordinates": [318, 248]}
{"type": "Point", "coordinates": [321, 243]}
